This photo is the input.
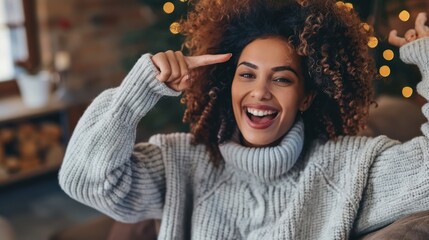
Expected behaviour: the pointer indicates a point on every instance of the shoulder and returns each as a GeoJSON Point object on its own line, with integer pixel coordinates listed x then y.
{"type": "Point", "coordinates": [344, 164]}
{"type": "Point", "coordinates": [179, 147]}
{"type": "Point", "coordinates": [350, 145]}
{"type": "Point", "coordinates": [348, 153]}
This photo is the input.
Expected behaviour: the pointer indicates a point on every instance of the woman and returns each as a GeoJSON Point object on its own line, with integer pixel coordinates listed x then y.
{"type": "Point", "coordinates": [249, 169]}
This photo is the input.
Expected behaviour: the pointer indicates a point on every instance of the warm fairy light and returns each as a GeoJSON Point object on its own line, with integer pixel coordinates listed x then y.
{"type": "Point", "coordinates": [407, 92]}
{"type": "Point", "coordinates": [366, 26]}
{"type": "Point", "coordinates": [384, 71]}
{"type": "Point", "coordinates": [404, 15]}
{"type": "Point", "coordinates": [388, 54]}
{"type": "Point", "coordinates": [340, 3]}
{"type": "Point", "coordinates": [348, 5]}
{"type": "Point", "coordinates": [372, 42]}
{"type": "Point", "coordinates": [175, 28]}
{"type": "Point", "coordinates": [343, 4]}
{"type": "Point", "coordinates": [183, 0]}
{"type": "Point", "coordinates": [168, 7]}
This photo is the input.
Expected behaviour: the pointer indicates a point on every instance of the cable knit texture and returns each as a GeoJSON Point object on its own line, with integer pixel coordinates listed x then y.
{"type": "Point", "coordinates": [336, 190]}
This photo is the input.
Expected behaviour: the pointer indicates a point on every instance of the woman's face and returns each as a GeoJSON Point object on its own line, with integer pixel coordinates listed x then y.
{"type": "Point", "coordinates": [267, 91]}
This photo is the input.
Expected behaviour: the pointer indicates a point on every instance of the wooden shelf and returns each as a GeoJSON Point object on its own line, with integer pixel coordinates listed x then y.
{"type": "Point", "coordinates": [29, 174]}
{"type": "Point", "coordinates": [13, 108]}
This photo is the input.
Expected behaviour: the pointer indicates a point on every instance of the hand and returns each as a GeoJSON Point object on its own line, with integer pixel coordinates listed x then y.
{"type": "Point", "coordinates": [420, 31]}
{"type": "Point", "coordinates": [174, 67]}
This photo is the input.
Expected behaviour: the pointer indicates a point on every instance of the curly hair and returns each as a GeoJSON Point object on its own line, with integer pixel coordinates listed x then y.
{"type": "Point", "coordinates": [329, 37]}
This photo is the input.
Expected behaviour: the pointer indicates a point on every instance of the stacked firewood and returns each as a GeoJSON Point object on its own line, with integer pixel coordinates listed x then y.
{"type": "Point", "coordinates": [29, 146]}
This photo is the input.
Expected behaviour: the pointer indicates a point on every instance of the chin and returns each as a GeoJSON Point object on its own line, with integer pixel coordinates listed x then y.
{"type": "Point", "coordinates": [257, 141]}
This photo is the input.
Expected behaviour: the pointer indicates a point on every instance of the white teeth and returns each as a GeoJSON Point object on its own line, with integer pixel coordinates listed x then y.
{"type": "Point", "coordinates": [260, 113]}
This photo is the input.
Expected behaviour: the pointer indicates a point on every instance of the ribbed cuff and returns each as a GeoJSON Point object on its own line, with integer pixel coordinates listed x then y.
{"type": "Point", "coordinates": [140, 91]}
{"type": "Point", "coordinates": [416, 52]}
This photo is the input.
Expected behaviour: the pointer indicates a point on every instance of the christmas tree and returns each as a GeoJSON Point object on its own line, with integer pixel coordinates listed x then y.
{"type": "Point", "coordinates": [395, 77]}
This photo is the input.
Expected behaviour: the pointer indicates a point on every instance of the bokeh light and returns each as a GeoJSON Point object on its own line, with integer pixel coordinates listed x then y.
{"type": "Point", "coordinates": [168, 7]}
{"type": "Point", "coordinates": [407, 92]}
{"type": "Point", "coordinates": [175, 28]}
{"type": "Point", "coordinates": [366, 26]}
{"type": "Point", "coordinates": [404, 15]}
{"type": "Point", "coordinates": [388, 54]}
{"type": "Point", "coordinates": [348, 5]}
{"type": "Point", "coordinates": [340, 3]}
{"type": "Point", "coordinates": [384, 71]}
{"type": "Point", "coordinates": [372, 42]}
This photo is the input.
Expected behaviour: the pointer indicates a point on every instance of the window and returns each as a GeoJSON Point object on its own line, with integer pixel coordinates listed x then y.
{"type": "Point", "coordinates": [18, 41]}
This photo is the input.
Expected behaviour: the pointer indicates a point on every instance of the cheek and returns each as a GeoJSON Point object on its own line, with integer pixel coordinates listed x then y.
{"type": "Point", "coordinates": [290, 106]}
{"type": "Point", "coordinates": [235, 92]}
{"type": "Point", "coordinates": [293, 98]}
{"type": "Point", "coordinates": [236, 98]}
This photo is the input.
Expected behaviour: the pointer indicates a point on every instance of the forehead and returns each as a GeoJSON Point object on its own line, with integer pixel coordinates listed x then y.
{"type": "Point", "coordinates": [271, 50]}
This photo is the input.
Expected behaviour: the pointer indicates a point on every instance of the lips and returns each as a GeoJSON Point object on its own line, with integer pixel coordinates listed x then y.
{"type": "Point", "coordinates": [260, 116]}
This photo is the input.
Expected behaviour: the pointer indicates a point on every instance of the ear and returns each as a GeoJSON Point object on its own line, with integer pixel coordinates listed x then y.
{"type": "Point", "coordinates": [306, 102]}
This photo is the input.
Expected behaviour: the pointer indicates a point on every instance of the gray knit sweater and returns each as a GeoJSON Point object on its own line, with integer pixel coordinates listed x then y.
{"type": "Point", "coordinates": [339, 189]}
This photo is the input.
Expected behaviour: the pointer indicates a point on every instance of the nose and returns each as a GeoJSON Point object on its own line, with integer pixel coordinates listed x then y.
{"type": "Point", "coordinates": [261, 90]}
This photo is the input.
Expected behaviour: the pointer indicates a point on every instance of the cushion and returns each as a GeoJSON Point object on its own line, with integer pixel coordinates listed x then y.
{"type": "Point", "coordinates": [411, 227]}
{"type": "Point", "coordinates": [94, 229]}
{"type": "Point", "coordinates": [144, 230]}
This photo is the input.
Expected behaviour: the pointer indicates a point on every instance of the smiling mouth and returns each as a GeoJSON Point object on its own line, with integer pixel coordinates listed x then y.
{"type": "Point", "coordinates": [261, 118]}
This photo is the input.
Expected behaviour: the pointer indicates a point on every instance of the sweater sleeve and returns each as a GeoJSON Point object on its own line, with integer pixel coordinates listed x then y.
{"type": "Point", "coordinates": [101, 168]}
{"type": "Point", "coordinates": [398, 182]}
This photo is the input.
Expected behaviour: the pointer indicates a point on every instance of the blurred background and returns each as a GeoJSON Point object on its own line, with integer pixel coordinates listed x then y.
{"type": "Point", "coordinates": [56, 56]}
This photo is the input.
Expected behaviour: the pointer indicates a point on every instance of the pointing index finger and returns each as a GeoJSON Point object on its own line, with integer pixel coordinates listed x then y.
{"type": "Point", "coordinates": [420, 25]}
{"type": "Point", "coordinates": [207, 59]}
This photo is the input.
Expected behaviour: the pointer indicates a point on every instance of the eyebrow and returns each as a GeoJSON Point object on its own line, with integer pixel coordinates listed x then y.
{"type": "Point", "coordinates": [275, 69]}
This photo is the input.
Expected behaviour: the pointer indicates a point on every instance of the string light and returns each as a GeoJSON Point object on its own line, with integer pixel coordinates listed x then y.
{"type": "Point", "coordinates": [183, 0]}
{"type": "Point", "coordinates": [388, 54]}
{"type": "Point", "coordinates": [372, 42]}
{"type": "Point", "coordinates": [404, 15]}
{"type": "Point", "coordinates": [348, 5]}
{"type": "Point", "coordinates": [366, 27]}
{"type": "Point", "coordinates": [384, 71]}
{"type": "Point", "coordinates": [175, 28]}
{"type": "Point", "coordinates": [340, 3]}
{"type": "Point", "coordinates": [168, 7]}
{"type": "Point", "coordinates": [407, 92]}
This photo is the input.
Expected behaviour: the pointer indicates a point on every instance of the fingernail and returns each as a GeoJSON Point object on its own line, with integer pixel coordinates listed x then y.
{"type": "Point", "coordinates": [186, 78]}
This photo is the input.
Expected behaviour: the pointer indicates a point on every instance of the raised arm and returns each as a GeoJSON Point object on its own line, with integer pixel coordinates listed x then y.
{"type": "Point", "coordinates": [101, 167]}
{"type": "Point", "coordinates": [398, 182]}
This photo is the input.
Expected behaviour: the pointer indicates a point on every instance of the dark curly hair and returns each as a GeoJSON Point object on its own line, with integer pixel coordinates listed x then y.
{"type": "Point", "coordinates": [330, 38]}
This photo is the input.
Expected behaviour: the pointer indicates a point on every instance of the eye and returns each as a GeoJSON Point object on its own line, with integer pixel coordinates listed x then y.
{"type": "Point", "coordinates": [282, 81]}
{"type": "Point", "coordinates": [247, 75]}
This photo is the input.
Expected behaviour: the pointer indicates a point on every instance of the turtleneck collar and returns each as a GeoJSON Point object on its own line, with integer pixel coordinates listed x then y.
{"type": "Point", "coordinates": [266, 163]}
